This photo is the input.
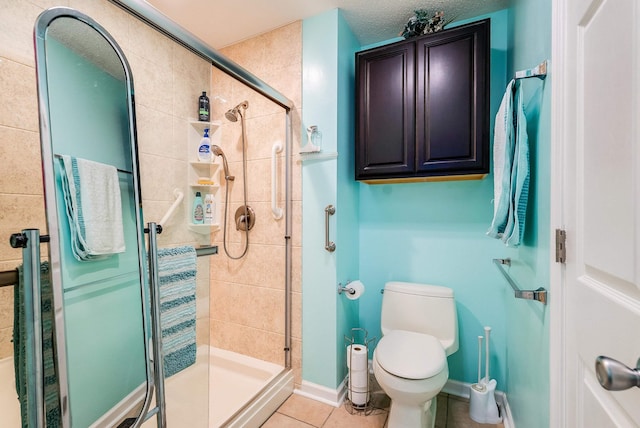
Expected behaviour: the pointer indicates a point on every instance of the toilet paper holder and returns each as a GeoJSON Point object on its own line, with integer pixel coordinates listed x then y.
{"type": "Point", "coordinates": [353, 289]}
{"type": "Point", "coordinates": [348, 290]}
{"type": "Point", "coordinates": [358, 384]}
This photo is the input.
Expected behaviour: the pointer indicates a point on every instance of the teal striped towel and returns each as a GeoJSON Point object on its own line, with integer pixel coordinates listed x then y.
{"type": "Point", "coordinates": [177, 274]}
{"type": "Point", "coordinates": [93, 206]}
{"type": "Point", "coordinates": [51, 391]}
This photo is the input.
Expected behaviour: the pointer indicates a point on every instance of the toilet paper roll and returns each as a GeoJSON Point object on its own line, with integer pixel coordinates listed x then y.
{"type": "Point", "coordinates": [358, 287]}
{"type": "Point", "coordinates": [357, 358]}
{"type": "Point", "coordinates": [359, 398]}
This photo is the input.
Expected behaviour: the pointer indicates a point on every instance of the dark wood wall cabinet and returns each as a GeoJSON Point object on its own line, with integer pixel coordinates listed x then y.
{"type": "Point", "coordinates": [422, 107]}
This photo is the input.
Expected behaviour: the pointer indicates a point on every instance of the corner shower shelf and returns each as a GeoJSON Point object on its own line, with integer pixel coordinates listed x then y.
{"type": "Point", "coordinates": [197, 169]}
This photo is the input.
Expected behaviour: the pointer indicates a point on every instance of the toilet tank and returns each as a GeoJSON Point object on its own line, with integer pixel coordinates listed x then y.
{"type": "Point", "coordinates": [422, 308]}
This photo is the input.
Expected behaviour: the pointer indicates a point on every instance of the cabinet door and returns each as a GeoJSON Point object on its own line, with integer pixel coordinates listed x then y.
{"type": "Point", "coordinates": [452, 96]}
{"type": "Point", "coordinates": [385, 111]}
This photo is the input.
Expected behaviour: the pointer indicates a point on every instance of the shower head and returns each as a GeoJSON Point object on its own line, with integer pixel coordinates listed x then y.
{"type": "Point", "coordinates": [217, 151]}
{"type": "Point", "coordinates": [232, 115]}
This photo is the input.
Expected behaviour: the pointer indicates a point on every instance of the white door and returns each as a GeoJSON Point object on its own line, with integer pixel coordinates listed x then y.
{"type": "Point", "coordinates": [600, 177]}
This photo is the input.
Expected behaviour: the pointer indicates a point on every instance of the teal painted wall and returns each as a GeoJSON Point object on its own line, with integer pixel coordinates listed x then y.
{"type": "Point", "coordinates": [528, 322]}
{"type": "Point", "coordinates": [347, 236]}
{"type": "Point", "coordinates": [435, 233]}
{"type": "Point", "coordinates": [328, 97]}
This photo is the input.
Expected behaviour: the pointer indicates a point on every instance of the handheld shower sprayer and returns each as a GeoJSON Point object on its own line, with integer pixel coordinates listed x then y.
{"type": "Point", "coordinates": [232, 115]}
{"type": "Point", "coordinates": [217, 151]}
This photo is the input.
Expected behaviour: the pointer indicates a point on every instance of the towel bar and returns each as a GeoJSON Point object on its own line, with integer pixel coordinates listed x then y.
{"type": "Point", "coordinates": [208, 250]}
{"type": "Point", "coordinates": [540, 294]}
{"type": "Point", "coordinates": [539, 71]}
{"type": "Point", "coordinates": [8, 277]}
{"type": "Point", "coordinates": [17, 240]}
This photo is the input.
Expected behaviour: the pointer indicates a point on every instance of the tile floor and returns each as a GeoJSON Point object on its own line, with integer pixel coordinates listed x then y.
{"type": "Point", "coordinates": [302, 412]}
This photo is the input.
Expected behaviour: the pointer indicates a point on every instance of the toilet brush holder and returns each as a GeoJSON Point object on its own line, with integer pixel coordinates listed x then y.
{"type": "Point", "coordinates": [482, 403]}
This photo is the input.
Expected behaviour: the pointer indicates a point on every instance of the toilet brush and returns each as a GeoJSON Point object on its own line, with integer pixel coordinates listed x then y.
{"type": "Point", "coordinates": [479, 386]}
{"type": "Point", "coordinates": [487, 332]}
{"type": "Point", "coordinates": [482, 401]}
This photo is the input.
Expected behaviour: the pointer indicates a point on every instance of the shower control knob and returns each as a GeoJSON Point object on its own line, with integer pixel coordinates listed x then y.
{"type": "Point", "coordinates": [615, 376]}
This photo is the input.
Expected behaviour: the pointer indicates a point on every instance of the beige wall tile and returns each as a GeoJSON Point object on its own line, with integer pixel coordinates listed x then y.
{"type": "Point", "coordinates": [20, 104]}
{"type": "Point", "coordinates": [6, 346]}
{"type": "Point", "coordinates": [259, 344]}
{"type": "Point", "coordinates": [18, 212]}
{"type": "Point", "coordinates": [17, 19]}
{"type": "Point", "coordinates": [20, 152]}
{"type": "Point", "coordinates": [122, 26]}
{"type": "Point", "coordinates": [6, 307]}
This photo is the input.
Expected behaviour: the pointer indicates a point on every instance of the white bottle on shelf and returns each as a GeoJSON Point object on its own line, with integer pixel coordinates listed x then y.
{"type": "Point", "coordinates": [209, 208]}
{"type": "Point", "coordinates": [204, 149]}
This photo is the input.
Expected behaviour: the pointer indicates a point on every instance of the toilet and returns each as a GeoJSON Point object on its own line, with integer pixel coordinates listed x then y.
{"type": "Point", "coordinates": [419, 330]}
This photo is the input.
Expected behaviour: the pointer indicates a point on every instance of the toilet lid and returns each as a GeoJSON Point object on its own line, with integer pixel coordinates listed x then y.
{"type": "Point", "coordinates": [410, 355]}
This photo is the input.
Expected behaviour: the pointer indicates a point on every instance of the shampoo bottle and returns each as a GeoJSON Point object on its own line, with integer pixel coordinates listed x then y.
{"type": "Point", "coordinates": [203, 107]}
{"type": "Point", "coordinates": [204, 149]}
{"type": "Point", "coordinates": [198, 209]}
{"type": "Point", "coordinates": [209, 208]}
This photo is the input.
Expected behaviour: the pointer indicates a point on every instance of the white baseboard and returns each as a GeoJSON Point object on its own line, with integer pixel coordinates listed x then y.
{"type": "Point", "coordinates": [333, 397]}
{"type": "Point", "coordinates": [462, 389]}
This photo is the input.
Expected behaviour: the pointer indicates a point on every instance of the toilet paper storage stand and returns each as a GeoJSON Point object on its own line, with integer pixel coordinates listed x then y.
{"type": "Point", "coordinates": [359, 338]}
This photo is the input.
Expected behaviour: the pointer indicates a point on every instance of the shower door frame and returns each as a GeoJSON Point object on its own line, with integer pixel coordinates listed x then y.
{"type": "Point", "coordinates": [160, 22]}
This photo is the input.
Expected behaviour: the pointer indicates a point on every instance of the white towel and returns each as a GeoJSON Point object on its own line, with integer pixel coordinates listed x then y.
{"type": "Point", "coordinates": [94, 211]}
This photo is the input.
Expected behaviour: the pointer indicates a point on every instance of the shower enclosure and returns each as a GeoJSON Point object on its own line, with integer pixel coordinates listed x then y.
{"type": "Point", "coordinates": [243, 369]}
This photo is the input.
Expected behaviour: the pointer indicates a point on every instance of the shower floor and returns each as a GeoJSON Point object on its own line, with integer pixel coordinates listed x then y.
{"type": "Point", "coordinates": [201, 396]}
{"type": "Point", "coordinates": [217, 386]}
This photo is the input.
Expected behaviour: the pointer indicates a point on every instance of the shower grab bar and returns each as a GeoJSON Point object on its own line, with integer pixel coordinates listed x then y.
{"type": "Point", "coordinates": [540, 294]}
{"type": "Point", "coordinates": [328, 245]}
{"type": "Point", "coordinates": [179, 197]}
{"type": "Point", "coordinates": [277, 211]}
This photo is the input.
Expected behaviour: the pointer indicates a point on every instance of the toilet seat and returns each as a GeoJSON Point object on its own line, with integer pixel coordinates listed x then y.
{"type": "Point", "coordinates": [410, 355]}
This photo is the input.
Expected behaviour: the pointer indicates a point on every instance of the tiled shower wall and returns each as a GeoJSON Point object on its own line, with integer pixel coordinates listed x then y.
{"type": "Point", "coordinates": [167, 79]}
{"type": "Point", "coordinates": [247, 295]}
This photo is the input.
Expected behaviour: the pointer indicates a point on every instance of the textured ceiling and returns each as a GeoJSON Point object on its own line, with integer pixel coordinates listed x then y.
{"type": "Point", "coordinates": [222, 23]}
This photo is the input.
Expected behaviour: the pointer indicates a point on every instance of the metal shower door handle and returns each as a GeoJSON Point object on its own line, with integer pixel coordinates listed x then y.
{"type": "Point", "coordinates": [328, 245]}
{"type": "Point", "coordinates": [615, 376]}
